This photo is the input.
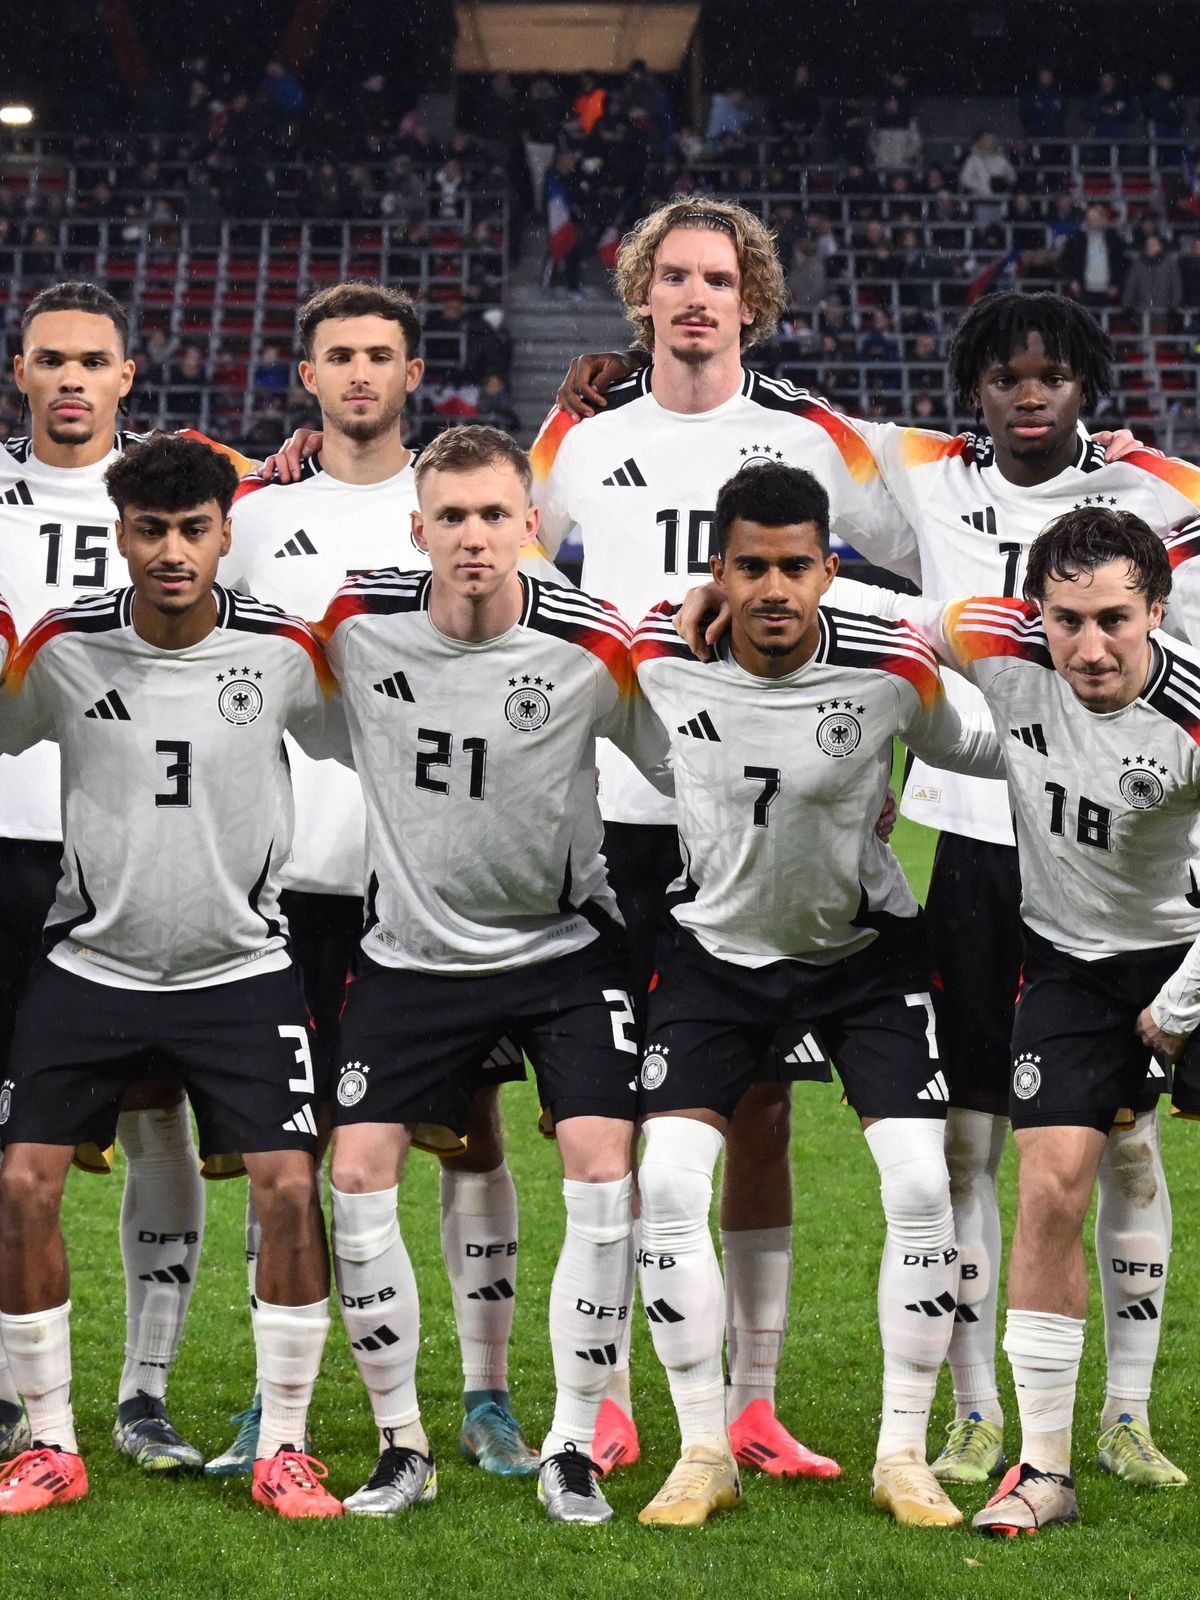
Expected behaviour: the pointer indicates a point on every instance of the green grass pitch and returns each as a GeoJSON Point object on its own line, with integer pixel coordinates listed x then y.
{"type": "Point", "coordinates": [198, 1540]}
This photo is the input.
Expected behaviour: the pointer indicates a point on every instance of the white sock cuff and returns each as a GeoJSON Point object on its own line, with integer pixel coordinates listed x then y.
{"type": "Point", "coordinates": [474, 1194]}
{"type": "Point", "coordinates": [1044, 1339]}
{"type": "Point", "coordinates": [601, 1213]}
{"type": "Point", "coordinates": [364, 1225]}
{"type": "Point", "coordinates": [683, 1142]}
{"type": "Point", "coordinates": [157, 1131]}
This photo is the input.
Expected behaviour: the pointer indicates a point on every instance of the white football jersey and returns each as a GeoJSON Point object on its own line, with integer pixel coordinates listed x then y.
{"type": "Point", "coordinates": [640, 484]}
{"type": "Point", "coordinates": [779, 782]}
{"type": "Point", "coordinates": [176, 803]}
{"type": "Point", "coordinates": [972, 529]}
{"type": "Point", "coordinates": [1107, 806]}
{"type": "Point", "coordinates": [294, 545]}
{"type": "Point", "coordinates": [477, 763]}
{"type": "Point", "coordinates": [58, 543]}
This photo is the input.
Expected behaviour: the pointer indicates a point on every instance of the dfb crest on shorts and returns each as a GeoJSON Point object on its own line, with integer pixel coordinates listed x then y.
{"type": "Point", "coordinates": [527, 707]}
{"type": "Point", "coordinates": [352, 1083]}
{"type": "Point", "coordinates": [839, 734]}
{"type": "Point", "coordinates": [6, 1091]}
{"type": "Point", "coordinates": [240, 699]}
{"type": "Point", "coordinates": [654, 1066]}
{"type": "Point", "coordinates": [1141, 787]}
{"type": "Point", "coordinates": [1027, 1075]}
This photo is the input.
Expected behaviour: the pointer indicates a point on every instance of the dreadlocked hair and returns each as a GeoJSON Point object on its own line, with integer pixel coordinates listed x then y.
{"type": "Point", "coordinates": [1000, 324]}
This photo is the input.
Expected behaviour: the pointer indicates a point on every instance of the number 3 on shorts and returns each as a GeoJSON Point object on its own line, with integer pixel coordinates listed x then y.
{"type": "Point", "coordinates": [926, 1000]}
{"type": "Point", "coordinates": [296, 1031]}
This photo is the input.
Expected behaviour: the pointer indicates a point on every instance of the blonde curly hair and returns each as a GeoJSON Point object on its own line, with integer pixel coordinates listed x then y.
{"type": "Point", "coordinates": [764, 290]}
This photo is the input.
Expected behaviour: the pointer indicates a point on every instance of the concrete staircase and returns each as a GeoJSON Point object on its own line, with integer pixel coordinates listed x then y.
{"type": "Point", "coordinates": [548, 330]}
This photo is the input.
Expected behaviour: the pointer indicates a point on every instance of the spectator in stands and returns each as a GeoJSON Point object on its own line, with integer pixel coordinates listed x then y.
{"type": "Point", "coordinates": [797, 111]}
{"type": "Point", "coordinates": [730, 114]}
{"type": "Point", "coordinates": [880, 343]}
{"type": "Point", "coordinates": [543, 119]}
{"type": "Point", "coordinates": [184, 380]}
{"type": "Point", "coordinates": [1093, 260]}
{"type": "Point", "coordinates": [1044, 107]}
{"type": "Point", "coordinates": [447, 189]}
{"type": "Point", "coordinates": [928, 410]}
{"type": "Point", "coordinates": [856, 180]}
{"type": "Point", "coordinates": [1165, 118]}
{"type": "Point", "coordinates": [927, 369]}
{"type": "Point", "coordinates": [588, 104]}
{"type": "Point", "coordinates": [271, 371]}
{"type": "Point", "coordinates": [155, 357]}
{"type": "Point", "coordinates": [1028, 226]}
{"type": "Point", "coordinates": [896, 138]}
{"type": "Point", "coordinates": [1153, 282]}
{"type": "Point", "coordinates": [324, 193]}
{"type": "Point", "coordinates": [1189, 273]}
{"type": "Point", "coordinates": [495, 404]}
{"type": "Point", "coordinates": [987, 171]}
{"type": "Point", "coordinates": [1183, 429]}
{"type": "Point", "coordinates": [808, 281]}
{"type": "Point", "coordinates": [646, 100]}
{"type": "Point", "coordinates": [1064, 219]}
{"type": "Point", "coordinates": [849, 130]}
{"type": "Point", "coordinates": [404, 198]}
{"type": "Point", "coordinates": [876, 257]}
{"type": "Point", "coordinates": [835, 324]}
{"type": "Point", "coordinates": [414, 138]}
{"type": "Point", "coordinates": [1109, 114]}
{"type": "Point", "coordinates": [202, 210]}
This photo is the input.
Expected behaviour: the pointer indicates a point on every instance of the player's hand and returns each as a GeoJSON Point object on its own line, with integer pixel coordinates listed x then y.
{"type": "Point", "coordinates": [1167, 1046]}
{"type": "Point", "coordinates": [285, 464]}
{"type": "Point", "coordinates": [702, 619]}
{"type": "Point", "coordinates": [1118, 443]}
{"type": "Point", "coordinates": [886, 820]}
{"type": "Point", "coordinates": [582, 390]}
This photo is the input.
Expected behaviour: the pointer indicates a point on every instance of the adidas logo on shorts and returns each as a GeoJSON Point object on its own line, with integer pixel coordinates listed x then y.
{"type": "Point", "coordinates": [935, 1089]}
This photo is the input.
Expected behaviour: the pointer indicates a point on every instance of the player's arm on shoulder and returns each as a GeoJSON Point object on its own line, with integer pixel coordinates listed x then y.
{"type": "Point", "coordinates": [626, 716]}
{"type": "Point", "coordinates": [869, 511]}
{"type": "Point", "coordinates": [550, 458]}
{"type": "Point", "coordinates": [933, 728]}
{"type": "Point", "coordinates": [317, 715]}
{"type": "Point", "coordinates": [868, 599]}
{"type": "Point", "coordinates": [25, 715]}
{"type": "Point", "coordinates": [581, 393]}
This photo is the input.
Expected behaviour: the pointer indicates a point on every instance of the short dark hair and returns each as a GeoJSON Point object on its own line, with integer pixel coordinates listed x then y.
{"type": "Point", "coordinates": [168, 473]}
{"type": "Point", "coordinates": [359, 297]}
{"type": "Point", "coordinates": [78, 295]}
{"type": "Point", "coordinates": [464, 449]}
{"type": "Point", "coordinates": [1000, 324]}
{"type": "Point", "coordinates": [774, 495]}
{"type": "Point", "coordinates": [1078, 542]}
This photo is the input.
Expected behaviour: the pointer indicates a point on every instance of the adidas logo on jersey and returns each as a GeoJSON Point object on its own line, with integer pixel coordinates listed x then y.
{"type": "Point", "coordinates": [626, 477]}
{"type": "Point", "coordinates": [500, 1290]}
{"type": "Point", "coordinates": [805, 1051]}
{"type": "Point", "coordinates": [18, 495]}
{"type": "Point", "coordinates": [298, 545]}
{"type": "Point", "coordinates": [111, 708]}
{"type": "Point", "coordinates": [302, 1122]}
{"type": "Point", "coordinates": [700, 727]}
{"type": "Point", "coordinates": [982, 521]}
{"type": "Point", "coordinates": [935, 1089]}
{"type": "Point", "coordinates": [1032, 736]}
{"type": "Point", "coordinates": [395, 688]}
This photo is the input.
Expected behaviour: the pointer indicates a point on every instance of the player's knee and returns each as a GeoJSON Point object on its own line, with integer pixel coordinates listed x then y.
{"type": "Point", "coordinates": [287, 1203]}
{"type": "Point", "coordinates": [761, 1128]}
{"type": "Point", "coordinates": [1051, 1199]}
{"type": "Point", "coordinates": [30, 1196]}
{"type": "Point", "coordinates": [364, 1225]}
{"type": "Point", "coordinates": [675, 1179]}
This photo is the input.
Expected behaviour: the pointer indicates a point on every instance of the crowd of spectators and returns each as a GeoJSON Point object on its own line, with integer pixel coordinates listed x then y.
{"type": "Point", "coordinates": [886, 231]}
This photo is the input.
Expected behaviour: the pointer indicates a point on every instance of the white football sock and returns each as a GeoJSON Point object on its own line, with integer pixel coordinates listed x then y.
{"type": "Point", "coordinates": [975, 1143]}
{"type": "Point", "coordinates": [379, 1302]}
{"type": "Point", "coordinates": [39, 1356]}
{"type": "Point", "coordinates": [479, 1246]}
{"type": "Point", "coordinates": [1133, 1249]}
{"type": "Point", "coordinates": [758, 1277]}
{"type": "Point", "coordinates": [917, 1276]}
{"type": "Point", "coordinates": [8, 1389]}
{"type": "Point", "coordinates": [681, 1283]}
{"type": "Point", "coordinates": [162, 1229]}
{"type": "Point", "coordinates": [1045, 1351]}
{"type": "Point", "coordinates": [589, 1305]}
{"type": "Point", "coordinates": [290, 1340]}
